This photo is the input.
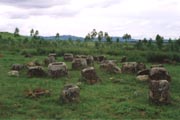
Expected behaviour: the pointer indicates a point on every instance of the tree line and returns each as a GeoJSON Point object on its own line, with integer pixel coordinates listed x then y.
{"type": "Point", "coordinates": [98, 37]}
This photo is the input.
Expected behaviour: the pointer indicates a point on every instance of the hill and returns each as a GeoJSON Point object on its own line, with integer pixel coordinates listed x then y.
{"type": "Point", "coordinates": [63, 37]}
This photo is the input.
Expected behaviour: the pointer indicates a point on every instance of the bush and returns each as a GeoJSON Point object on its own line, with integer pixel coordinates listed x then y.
{"type": "Point", "coordinates": [160, 57]}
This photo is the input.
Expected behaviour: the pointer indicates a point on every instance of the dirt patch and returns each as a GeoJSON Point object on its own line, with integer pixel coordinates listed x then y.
{"type": "Point", "coordinates": [38, 92]}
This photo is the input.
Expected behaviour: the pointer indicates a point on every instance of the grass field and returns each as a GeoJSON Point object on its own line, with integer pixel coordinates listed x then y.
{"type": "Point", "coordinates": [127, 99]}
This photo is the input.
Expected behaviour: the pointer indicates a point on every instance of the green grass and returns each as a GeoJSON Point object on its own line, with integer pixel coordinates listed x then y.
{"type": "Point", "coordinates": [106, 100]}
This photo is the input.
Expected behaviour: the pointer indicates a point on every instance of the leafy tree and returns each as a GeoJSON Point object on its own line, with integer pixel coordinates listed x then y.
{"type": "Point", "coordinates": [57, 36]}
{"type": "Point", "coordinates": [145, 41]}
{"type": "Point", "coordinates": [100, 35]}
{"type": "Point", "coordinates": [36, 34]}
{"type": "Point", "coordinates": [177, 44]}
{"type": "Point", "coordinates": [32, 32]}
{"type": "Point", "coordinates": [117, 40]}
{"type": "Point", "coordinates": [149, 44]}
{"type": "Point", "coordinates": [16, 32]}
{"type": "Point", "coordinates": [170, 44]}
{"type": "Point", "coordinates": [159, 41]}
{"type": "Point", "coordinates": [109, 39]}
{"type": "Point", "coordinates": [93, 34]}
{"type": "Point", "coordinates": [88, 37]}
{"type": "Point", "coordinates": [126, 36]}
{"type": "Point", "coordinates": [106, 35]}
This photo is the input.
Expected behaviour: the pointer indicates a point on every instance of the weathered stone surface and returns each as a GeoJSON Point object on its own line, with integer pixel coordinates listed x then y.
{"type": "Point", "coordinates": [36, 71]}
{"type": "Point", "coordinates": [132, 67]}
{"type": "Point", "coordinates": [143, 72]}
{"type": "Point", "coordinates": [142, 77]}
{"type": "Point", "coordinates": [90, 60]}
{"type": "Point", "coordinates": [79, 63]}
{"type": "Point", "coordinates": [13, 73]}
{"type": "Point", "coordinates": [17, 67]}
{"type": "Point", "coordinates": [57, 69]}
{"type": "Point", "coordinates": [159, 73]}
{"type": "Point", "coordinates": [129, 67]}
{"type": "Point", "coordinates": [89, 75]}
{"type": "Point", "coordinates": [78, 56]}
{"type": "Point", "coordinates": [52, 55]}
{"type": "Point", "coordinates": [68, 57]}
{"type": "Point", "coordinates": [32, 64]}
{"type": "Point", "coordinates": [99, 58]}
{"type": "Point", "coordinates": [110, 61]}
{"type": "Point", "coordinates": [49, 60]}
{"type": "Point", "coordinates": [110, 67]}
{"type": "Point", "coordinates": [83, 56]}
{"type": "Point", "coordinates": [70, 94]}
{"type": "Point", "coordinates": [140, 66]}
{"type": "Point", "coordinates": [159, 92]}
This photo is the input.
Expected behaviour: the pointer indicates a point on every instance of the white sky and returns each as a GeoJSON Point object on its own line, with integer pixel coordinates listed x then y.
{"type": "Point", "coordinates": [140, 18]}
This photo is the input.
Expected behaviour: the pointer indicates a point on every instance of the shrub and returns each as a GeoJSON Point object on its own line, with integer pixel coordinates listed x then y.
{"type": "Point", "coordinates": [161, 56]}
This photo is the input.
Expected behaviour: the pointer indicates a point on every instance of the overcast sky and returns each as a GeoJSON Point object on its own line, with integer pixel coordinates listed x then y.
{"type": "Point", "coordinates": [140, 18]}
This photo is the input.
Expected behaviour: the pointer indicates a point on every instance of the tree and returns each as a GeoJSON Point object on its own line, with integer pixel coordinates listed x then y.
{"type": "Point", "coordinates": [57, 36]}
{"type": "Point", "coordinates": [16, 32]}
{"type": "Point", "coordinates": [93, 34]}
{"type": "Point", "coordinates": [31, 32]}
{"type": "Point", "coordinates": [159, 41]}
{"type": "Point", "coordinates": [100, 35]}
{"type": "Point", "coordinates": [88, 37]}
{"type": "Point", "coordinates": [126, 36]}
{"type": "Point", "coordinates": [117, 40]}
{"type": "Point", "coordinates": [145, 41]}
{"type": "Point", "coordinates": [36, 33]}
{"type": "Point", "coordinates": [149, 44]}
{"type": "Point", "coordinates": [177, 44]}
{"type": "Point", "coordinates": [106, 35]}
{"type": "Point", "coordinates": [170, 44]}
{"type": "Point", "coordinates": [109, 39]}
